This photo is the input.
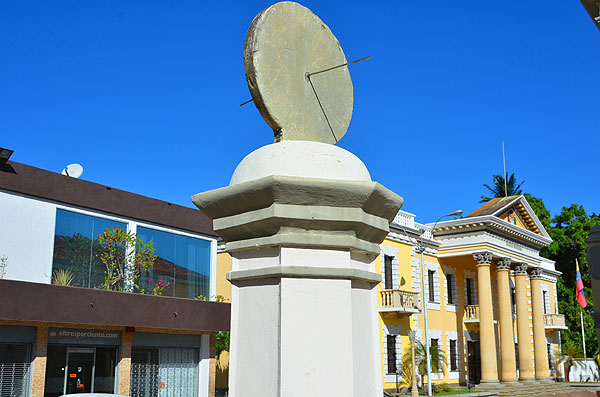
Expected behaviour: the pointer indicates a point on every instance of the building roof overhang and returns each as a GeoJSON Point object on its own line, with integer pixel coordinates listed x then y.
{"type": "Point", "coordinates": [593, 9]}
{"type": "Point", "coordinates": [489, 217]}
{"type": "Point", "coordinates": [491, 222]}
{"type": "Point", "coordinates": [34, 302]}
{"type": "Point", "coordinates": [35, 182]}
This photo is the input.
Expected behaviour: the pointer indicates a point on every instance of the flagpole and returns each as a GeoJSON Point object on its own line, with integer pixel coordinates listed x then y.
{"type": "Point", "coordinates": [581, 313]}
{"type": "Point", "coordinates": [582, 328]}
{"type": "Point", "coordinates": [504, 163]}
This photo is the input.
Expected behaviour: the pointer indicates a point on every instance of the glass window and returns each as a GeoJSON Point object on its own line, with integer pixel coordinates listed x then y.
{"type": "Point", "coordinates": [387, 260]}
{"type": "Point", "coordinates": [182, 262]}
{"type": "Point", "coordinates": [55, 371]}
{"type": "Point", "coordinates": [430, 276]}
{"type": "Point", "coordinates": [76, 246]}
{"type": "Point", "coordinates": [81, 364]}
{"type": "Point", "coordinates": [391, 354]}
{"type": "Point", "coordinates": [450, 288]}
{"type": "Point", "coordinates": [453, 355]}
{"type": "Point", "coordinates": [104, 370]}
{"type": "Point", "coordinates": [470, 300]}
{"type": "Point", "coordinates": [549, 352]}
{"type": "Point", "coordinates": [169, 372]}
{"type": "Point", "coordinates": [14, 369]}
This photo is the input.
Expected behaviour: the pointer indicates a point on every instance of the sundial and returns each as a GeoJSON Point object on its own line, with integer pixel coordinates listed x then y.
{"type": "Point", "coordinates": [297, 74]}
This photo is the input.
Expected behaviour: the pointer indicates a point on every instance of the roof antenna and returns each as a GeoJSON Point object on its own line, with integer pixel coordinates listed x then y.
{"type": "Point", "coordinates": [504, 162]}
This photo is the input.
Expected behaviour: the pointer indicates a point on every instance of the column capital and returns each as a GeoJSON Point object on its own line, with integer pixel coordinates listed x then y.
{"type": "Point", "coordinates": [483, 258]}
{"type": "Point", "coordinates": [503, 264]}
{"type": "Point", "coordinates": [521, 269]}
{"type": "Point", "coordinates": [536, 272]}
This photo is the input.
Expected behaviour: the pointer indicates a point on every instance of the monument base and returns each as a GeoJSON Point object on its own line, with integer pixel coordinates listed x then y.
{"type": "Point", "coordinates": [311, 330]}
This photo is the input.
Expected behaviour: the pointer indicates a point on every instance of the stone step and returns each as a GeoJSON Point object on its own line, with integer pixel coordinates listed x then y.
{"type": "Point", "coordinates": [545, 390]}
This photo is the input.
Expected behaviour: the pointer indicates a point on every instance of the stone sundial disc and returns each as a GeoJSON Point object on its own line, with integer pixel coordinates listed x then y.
{"type": "Point", "coordinates": [285, 42]}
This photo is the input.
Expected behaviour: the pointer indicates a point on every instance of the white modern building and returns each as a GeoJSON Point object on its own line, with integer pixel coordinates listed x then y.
{"type": "Point", "coordinates": [81, 338]}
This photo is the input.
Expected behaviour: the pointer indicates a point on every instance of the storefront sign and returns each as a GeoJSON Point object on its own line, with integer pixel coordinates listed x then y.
{"type": "Point", "coordinates": [74, 336]}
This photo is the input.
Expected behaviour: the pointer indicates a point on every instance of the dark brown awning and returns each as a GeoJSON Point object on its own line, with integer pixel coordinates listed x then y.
{"type": "Point", "coordinates": [25, 301]}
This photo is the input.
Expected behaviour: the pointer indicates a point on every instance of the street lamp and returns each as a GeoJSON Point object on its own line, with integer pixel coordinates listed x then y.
{"type": "Point", "coordinates": [420, 248]}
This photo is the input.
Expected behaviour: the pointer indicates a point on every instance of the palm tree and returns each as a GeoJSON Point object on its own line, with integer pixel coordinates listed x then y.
{"type": "Point", "coordinates": [437, 360]}
{"type": "Point", "coordinates": [567, 356]}
{"type": "Point", "coordinates": [512, 189]}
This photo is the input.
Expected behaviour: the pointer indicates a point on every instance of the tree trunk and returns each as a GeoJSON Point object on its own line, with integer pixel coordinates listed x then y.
{"type": "Point", "coordinates": [567, 369]}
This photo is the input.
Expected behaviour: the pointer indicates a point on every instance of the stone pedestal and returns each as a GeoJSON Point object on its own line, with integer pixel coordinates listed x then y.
{"type": "Point", "coordinates": [303, 223]}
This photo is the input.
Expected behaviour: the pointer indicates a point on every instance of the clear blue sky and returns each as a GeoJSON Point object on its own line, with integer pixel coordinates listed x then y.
{"type": "Point", "coordinates": [145, 95]}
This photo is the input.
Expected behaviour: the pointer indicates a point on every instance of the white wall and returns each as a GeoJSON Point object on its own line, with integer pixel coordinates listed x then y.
{"type": "Point", "coordinates": [27, 237]}
{"type": "Point", "coordinates": [583, 371]}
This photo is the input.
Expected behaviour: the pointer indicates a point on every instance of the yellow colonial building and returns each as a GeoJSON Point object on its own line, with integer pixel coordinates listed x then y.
{"type": "Point", "coordinates": [492, 300]}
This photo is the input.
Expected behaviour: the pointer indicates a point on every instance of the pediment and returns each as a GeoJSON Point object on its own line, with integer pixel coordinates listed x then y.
{"type": "Point", "coordinates": [514, 210]}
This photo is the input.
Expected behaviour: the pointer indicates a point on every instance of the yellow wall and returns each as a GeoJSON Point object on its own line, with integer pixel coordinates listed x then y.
{"type": "Point", "coordinates": [446, 320]}
{"type": "Point", "coordinates": [223, 267]}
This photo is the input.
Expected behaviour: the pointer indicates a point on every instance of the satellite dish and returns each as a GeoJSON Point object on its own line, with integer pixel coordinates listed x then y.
{"type": "Point", "coordinates": [73, 170]}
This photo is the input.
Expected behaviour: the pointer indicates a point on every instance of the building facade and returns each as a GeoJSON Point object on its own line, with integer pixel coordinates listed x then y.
{"type": "Point", "coordinates": [81, 338]}
{"type": "Point", "coordinates": [492, 300]}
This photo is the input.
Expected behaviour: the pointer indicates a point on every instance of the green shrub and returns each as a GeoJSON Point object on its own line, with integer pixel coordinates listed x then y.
{"type": "Point", "coordinates": [63, 277]}
{"type": "Point", "coordinates": [442, 388]}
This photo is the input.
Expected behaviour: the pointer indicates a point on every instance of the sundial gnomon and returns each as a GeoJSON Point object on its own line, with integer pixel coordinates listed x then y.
{"type": "Point", "coordinates": [297, 74]}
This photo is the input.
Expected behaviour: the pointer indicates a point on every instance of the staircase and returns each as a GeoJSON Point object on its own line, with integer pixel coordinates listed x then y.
{"type": "Point", "coordinates": [546, 389]}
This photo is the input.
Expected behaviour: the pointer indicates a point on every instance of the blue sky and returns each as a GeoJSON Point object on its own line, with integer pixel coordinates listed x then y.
{"type": "Point", "coordinates": [145, 95]}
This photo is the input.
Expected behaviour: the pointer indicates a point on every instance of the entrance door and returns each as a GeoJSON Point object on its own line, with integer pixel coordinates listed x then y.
{"type": "Point", "coordinates": [80, 371]}
{"type": "Point", "coordinates": [473, 363]}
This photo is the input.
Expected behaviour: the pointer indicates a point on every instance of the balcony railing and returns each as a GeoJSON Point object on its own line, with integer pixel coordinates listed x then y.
{"type": "Point", "coordinates": [405, 219]}
{"type": "Point", "coordinates": [554, 321]}
{"type": "Point", "coordinates": [472, 314]}
{"type": "Point", "coordinates": [396, 300]}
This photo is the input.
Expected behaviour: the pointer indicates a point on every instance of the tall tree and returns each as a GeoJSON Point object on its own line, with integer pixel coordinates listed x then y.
{"type": "Point", "coordinates": [568, 230]}
{"type": "Point", "coordinates": [497, 189]}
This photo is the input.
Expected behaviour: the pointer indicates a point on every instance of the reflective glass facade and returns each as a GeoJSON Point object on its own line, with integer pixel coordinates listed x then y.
{"type": "Point", "coordinates": [77, 249]}
{"type": "Point", "coordinates": [183, 263]}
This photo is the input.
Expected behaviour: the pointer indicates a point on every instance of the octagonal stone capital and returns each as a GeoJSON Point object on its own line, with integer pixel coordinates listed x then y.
{"type": "Point", "coordinates": [285, 211]}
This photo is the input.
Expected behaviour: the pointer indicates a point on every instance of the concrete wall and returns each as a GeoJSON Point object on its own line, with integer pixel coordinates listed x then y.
{"type": "Point", "coordinates": [27, 237]}
{"type": "Point", "coordinates": [584, 371]}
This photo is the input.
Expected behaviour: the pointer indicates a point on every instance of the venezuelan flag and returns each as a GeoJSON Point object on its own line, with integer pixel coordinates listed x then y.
{"type": "Point", "coordinates": [579, 294]}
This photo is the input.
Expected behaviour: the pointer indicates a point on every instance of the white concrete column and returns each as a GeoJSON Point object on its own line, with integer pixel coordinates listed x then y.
{"type": "Point", "coordinates": [303, 222]}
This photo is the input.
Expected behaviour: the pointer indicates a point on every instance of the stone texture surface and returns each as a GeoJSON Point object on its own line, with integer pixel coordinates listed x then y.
{"type": "Point", "coordinates": [38, 378]}
{"type": "Point", "coordinates": [125, 364]}
{"type": "Point", "coordinates": [284, 43]}
{"type": "Point", "coordinates": [301, 212]}
{"type": "Point", "coordinates": [301, 158]}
